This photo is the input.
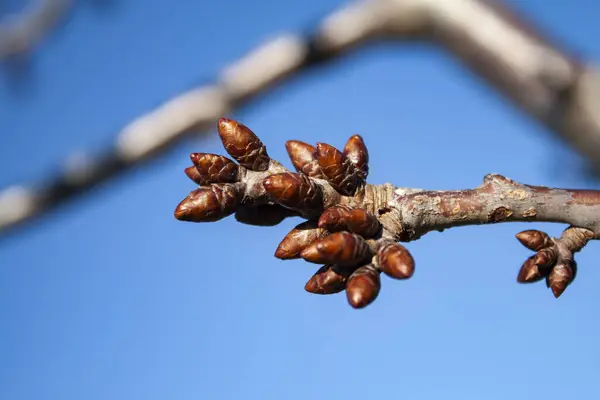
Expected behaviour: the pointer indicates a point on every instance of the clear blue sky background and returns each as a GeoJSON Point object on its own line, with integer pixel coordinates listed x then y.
{"type": "Point", "coordinates": [112, 298]}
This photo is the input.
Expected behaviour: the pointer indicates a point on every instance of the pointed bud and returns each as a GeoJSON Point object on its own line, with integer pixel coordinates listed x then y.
{"type": "Point", "coordinates": [208, 203]}
{"type": "Point", "coordinates": [341, 248]}
{"type": "Point", "coordinates": [561, 276]}
{"type": "Point", "coordinates": [303, 157]}
{"type": "Point", "coordinates": [214, 168]}
{"type": "Point", "coordinates": [294, 191]}
{"type": "Point", "coordinates": [243, 145]}
{"type": "Point", "coordinates": [396, 261]}
{"type": "Point", "coordinates": [298, 239]}
{"type": "Point", "coordinates": [194, 175]}
{"type": "Point", "coordinates": [363, 286]}
{"type": "Point", "coordinates": [329, 279]}
{"type": "Point", "coordinates": [338, 170]}
{"type": "Point", "coordinates": [545, 258]}
{"type": "Point", "coordinates": [262, 215]}
{"type": "Point", "coordinates": [345, 218]}
{"type": "Point", "coordinates": [530, 272]}
{"type": "Point", "coordinates": [534, 240]}
{"type": "Point", "coordinates": [356, 151]}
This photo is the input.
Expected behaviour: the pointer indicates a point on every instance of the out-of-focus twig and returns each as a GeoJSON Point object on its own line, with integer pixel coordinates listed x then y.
{"type": "Point", "coordinates": [19, 33]}
{"type": "Point", "coordinates": [544, 81]}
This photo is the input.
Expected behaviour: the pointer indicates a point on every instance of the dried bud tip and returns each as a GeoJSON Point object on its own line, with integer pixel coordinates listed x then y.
{"type": "Point", "coordinates": [243, 145]}
{"type": "Point", "coordinates": [533, 239]}
{"type": "Point", "coordinates": [530, 272]}
{"type": "Point", "coordinates": [396, 261]}
{"type": "Point", "coordinates": [194, 175]}
{"type": "Point", "coordinates": [363, 286]}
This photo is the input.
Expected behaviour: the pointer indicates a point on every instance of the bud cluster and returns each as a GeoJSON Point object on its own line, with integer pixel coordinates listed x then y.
{"type": "Point", "coordinates": [553, 261]}
{"type": "Point", "coordinates": [348, 240]}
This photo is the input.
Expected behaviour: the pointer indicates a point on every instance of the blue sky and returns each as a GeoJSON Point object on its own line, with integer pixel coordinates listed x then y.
{"type": "Point", "coordinates": [111, 298]}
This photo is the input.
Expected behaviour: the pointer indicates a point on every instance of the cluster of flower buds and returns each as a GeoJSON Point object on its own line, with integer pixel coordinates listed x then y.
{"type": "Point", "coordinates": [553, 261]}
{"type": "Point", "coordinates": [348, 240]}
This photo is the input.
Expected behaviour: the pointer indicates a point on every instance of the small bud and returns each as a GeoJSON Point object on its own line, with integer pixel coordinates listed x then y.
{"type": "Point", "coordinates": [530, 272]}
{"type": "Point", "coordinates": [194, 175]}
{"type": "Point", "coordinates": [262, 215]}
{"type": "Point", "coordinates": [294, 191]}
{"type": "Point", "coordinates": [329, 279]}
{"type": "Point", "coordinates": [243, 145]}
{"type": "Point", "coordinates": [338, 170]}
{"type": "Point", "coordinates": [363, 286]}
{"type": "Point", "coordinates": [208, 203]}
{"type": "Point", "coordinates": [297, 239]}
{"type": "Point", "coordinates": [214, 168]}
{"type": "Point", "coordinates": [345, 218]}
{"type": "Point", "coordinates": [534, 240]}
{"type": "Point", "coordinates": [561, 276]}
{"type": "Point", "coordinates": [356, 151]}
{"type": "Point", "coordinates": [341, 248]}
{"type": "Point", "coordinates": [396, 261]}
{"type": "Point", "coordinates": [303, 157]}
{"type": "Point", "coordinates": [545, 258]}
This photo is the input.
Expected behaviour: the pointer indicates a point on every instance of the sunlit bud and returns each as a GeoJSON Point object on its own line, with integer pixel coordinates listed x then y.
{"type": "Point", "coordinates": [363, 286]}
{"type": "Point", "coordinates": [530, 272]}
{"type": "Point", "coordinates": [295, 191]}
{"type": "Point", "coordinates": [298, 239]}
{"type": "Point", "coordinates": [341, 248]}
{"type": "Point", "coordinates": [208, 203]}
{"type": "Point", "coordinates": [561, 276]}
{"type": "Point", "coordinates": [243, 145]}
{"type": "Point", "coordinates": [329, 279]}
{"type": "Point", "coordinates": [345, 218]}
{"type": "Point", "coordinates": [534, 240]}
{"type": "Point", "coordinates": [396, 261]}
{"type": "Point", "coordinates": [193, 174]}
{"type": "Point", "coordinates": [338, 170]}
{"type": "Point", "coordinates": [214, 168]}
{"type": "Point", "coordinates": [356, 151]}
{"type": "Point", "coordinates": [303, 157]}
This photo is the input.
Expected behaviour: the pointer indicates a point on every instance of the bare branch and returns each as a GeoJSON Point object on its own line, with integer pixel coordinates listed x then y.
{"type": "Point", "coordinates": [21, 32]}
{"type": "Point", "coordinates": [547, 83]}
{"type": "Point", "coordinates": [353, 232]}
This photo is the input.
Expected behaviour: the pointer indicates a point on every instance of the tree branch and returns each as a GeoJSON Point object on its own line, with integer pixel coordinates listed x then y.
{"type": "Point", "coordinates": [352, 227]}
{"type": "Point", "coordinates": [546, 82]}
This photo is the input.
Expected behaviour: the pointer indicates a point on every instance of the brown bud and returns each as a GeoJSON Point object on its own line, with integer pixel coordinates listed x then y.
{"type": "Point", "coordinates": [345, 218]}
{"type": "Point", "coordinates": [534, 240]}
{"type": "Point", "coordinates": [208, 203]}
{"type": "Point", "coordinates": [262, 215]}
{"type": "Point", "coordinates": [561, 276]}
{"type": "Point", "coordinates": [363, 286]}
{"type": "Point", "coordinates": [297, 239]}
{"type": "Point", "coordinates": [341, 248]}
{"type": "Point", "coordinates": [214, 168]}
{"type": "Point", "coordinates": [329, 279]}
{"type": "Point", "coordinates": [356, 151]}
{"type": "Point", "coordinates": [294, 191]}
{"type": "Point", "coordinates": [193, 174]}
{"type": "Point", "coordinates": [530, 272]}
{"type": "Point", "coordinates": [303, 157]}
{"type": "Point", "coordinates": [243, 145]}
{"type": "Point", "coordinates": [545, 258]}
{"type": "Point", "coordinates": [396, 261]}
{"type": "Point", "coordinates": [338, 170]}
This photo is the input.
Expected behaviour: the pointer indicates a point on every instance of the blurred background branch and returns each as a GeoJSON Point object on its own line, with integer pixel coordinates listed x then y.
{"type": "Point", "coordinates": [552, 86]}
{"type": "Point", "coordinates": [20, 32]}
